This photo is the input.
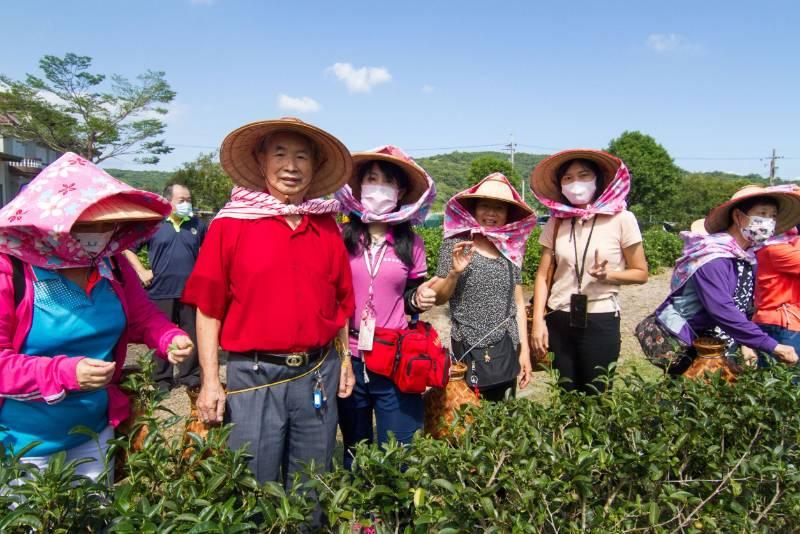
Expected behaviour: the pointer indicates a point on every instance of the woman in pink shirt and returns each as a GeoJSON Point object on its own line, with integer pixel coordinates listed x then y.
{"type": "Point", "coordinates": [386, 195]}
{"type": "Point", "coordinates": [69, 306]}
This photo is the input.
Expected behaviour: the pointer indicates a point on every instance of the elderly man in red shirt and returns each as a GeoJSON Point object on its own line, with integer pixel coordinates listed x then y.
{"type": "Point", "coordinates": [272, 286]}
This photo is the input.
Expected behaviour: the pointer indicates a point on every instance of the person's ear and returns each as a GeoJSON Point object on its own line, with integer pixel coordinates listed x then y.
{"type": "Point", "coordinates": [740, 218]}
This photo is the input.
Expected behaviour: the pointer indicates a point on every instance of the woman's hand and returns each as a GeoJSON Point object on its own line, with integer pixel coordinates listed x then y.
{"type": "Point", "coordinates": [749, 356]}
{"type": "Point", "coordinates": [425, 296]}
{"type": "Point", "coordinates": [540, 339]}
{"type": "Point", "coordinates": [94, 374]}
{"type": "Point", "coordinates": [525, 370]}
{"type": "Point", "coordinates": [462, 256]}
{"type": "Point", "coordinates": [786, 354]}
{"type": "Point", "coordinates": [180, 349]}
{"type": "Point", "coordinates": [598, 269]}
{"type": "Point", "coordinates": [211, 402]}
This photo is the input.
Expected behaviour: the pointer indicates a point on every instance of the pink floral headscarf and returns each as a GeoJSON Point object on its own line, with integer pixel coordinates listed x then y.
{"type": "Point", "coordinates": [510, 239]}
{"type": "Point", "coordinates": [35, 226]}
{"type": "Point", "coordinates": [699, 249]}
{"type": "Point", "coordinates": [611, 201]}
{"type": "Point", "coordinates": [412, 213]}
{"type": "Point", "coordinates": [248, 204]}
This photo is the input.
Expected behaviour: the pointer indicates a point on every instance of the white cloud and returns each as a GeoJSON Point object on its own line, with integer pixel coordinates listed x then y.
{"type": "Point", "coordinates": [669, 42]}
{"type": "Point", "coordinates": [359, 80]}
{"type": "Point", "coordinates": [303, 104]}
{"type": "Point", "coordinates": [428, 88]}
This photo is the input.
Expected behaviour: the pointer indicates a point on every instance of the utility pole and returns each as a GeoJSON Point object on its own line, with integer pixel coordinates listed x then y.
{"type": "Point", "coordinates": [772, 167]}
{"type": "Point", "coordinates": [512, 146]}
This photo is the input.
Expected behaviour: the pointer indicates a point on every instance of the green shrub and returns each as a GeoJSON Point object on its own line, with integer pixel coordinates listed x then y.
{"type": "Point", "coordinates": [674, 455]}
{"type": "Point", "coordinates": [658, 456]}
{"type": "Point", "coordinates": [661, 249]}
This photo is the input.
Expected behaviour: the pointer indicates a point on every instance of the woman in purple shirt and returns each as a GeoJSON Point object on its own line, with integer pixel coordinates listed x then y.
{"type": "Point", "coordinates": [387, 194]}
{"type": "Point", "coordinates": [712, 285]}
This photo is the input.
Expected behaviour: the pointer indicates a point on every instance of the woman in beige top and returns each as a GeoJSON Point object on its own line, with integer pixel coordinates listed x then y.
{"type": "Point", "coordinates": [590, 246]}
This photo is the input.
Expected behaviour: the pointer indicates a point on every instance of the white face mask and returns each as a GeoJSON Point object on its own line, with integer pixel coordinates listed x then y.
{"type": "Point", "coordinates": [93, 242]}
{"type": "Point", "coordinates": [579, 193]}
{"type": "Point", "coordinates": [379, 199]}
{"type": "Point", "coordinates": [759, 229]}
{"type": "Point", "coordinates": [183, 209]}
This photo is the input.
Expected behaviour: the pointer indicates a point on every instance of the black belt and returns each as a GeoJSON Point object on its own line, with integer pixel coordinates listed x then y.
{"type": "Point", "coordinates": [289, 359]}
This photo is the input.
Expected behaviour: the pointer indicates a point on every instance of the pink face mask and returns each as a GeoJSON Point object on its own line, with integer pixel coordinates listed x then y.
{"type": "Point", "coordinates": [378, 199]}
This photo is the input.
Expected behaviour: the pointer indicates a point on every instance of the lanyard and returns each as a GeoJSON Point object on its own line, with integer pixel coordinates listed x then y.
{"type": "Point", "coordinates": [373, 266]}
{"type": "Point", "coordinates": [580, 270]}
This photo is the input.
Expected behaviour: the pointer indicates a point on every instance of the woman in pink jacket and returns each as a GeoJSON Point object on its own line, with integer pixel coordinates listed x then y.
{"type": "Point", "coordinates": [69, 305]}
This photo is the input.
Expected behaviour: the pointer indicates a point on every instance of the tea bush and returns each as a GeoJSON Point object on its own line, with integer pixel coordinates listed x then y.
{"type": "Point", "coordinates": [675, 455]}
{"type": "Point", "coordinates": [658, 456]}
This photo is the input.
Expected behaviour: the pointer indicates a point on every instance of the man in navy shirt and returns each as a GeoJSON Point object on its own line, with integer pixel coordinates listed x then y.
{"type": "Point", "coordinates": [172, 253]}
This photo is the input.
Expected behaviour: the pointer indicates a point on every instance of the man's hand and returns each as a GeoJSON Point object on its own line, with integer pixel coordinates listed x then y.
{"type": "Point", "coordinates": [211, 402]}
{"type": "Point", "coordinates": [347, 379]}
{"type": "Point", "coordinates": [145, 277]}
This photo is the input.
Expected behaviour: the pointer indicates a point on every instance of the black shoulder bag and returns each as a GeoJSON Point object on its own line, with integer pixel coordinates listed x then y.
{"type": "Point", "coordinates": [496, 364]}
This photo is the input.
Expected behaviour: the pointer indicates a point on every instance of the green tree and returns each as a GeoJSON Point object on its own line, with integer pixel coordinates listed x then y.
{"type": "Point", "coordinates": [68, 110]}
{"type": "Point", "coordinates": [699, 192]}
{"type": "Point", "coordinates": [655, 177]}
{"type": "Point", "coordinates": [210, 186]}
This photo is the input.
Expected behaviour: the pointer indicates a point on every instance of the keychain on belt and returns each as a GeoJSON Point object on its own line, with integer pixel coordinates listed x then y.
{"type": "Point", "coordinates": [319, 396]}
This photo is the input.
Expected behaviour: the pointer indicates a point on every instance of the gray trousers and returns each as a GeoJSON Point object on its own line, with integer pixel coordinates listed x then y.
{"type": "Point", "coordinates": [279, 424]}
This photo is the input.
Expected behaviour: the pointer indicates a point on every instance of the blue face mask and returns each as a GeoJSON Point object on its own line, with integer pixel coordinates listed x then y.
{"type": "Point", "coordinates": [184, 209]}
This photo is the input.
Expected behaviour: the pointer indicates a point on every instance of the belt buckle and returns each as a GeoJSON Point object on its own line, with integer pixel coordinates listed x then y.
{"type": "Point", "coordinates": [295, 359]}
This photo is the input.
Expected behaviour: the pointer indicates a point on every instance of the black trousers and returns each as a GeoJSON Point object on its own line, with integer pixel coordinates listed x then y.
{"type": "Point", "coordinates": [583, 354]}
{"type": "Point", "coordinates": [188, 371]}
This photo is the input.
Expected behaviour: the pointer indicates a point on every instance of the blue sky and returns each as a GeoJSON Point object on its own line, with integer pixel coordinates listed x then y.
{"type": "Point", "coordinates": [707, 79]}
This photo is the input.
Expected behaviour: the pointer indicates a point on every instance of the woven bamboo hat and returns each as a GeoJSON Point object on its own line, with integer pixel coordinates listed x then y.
{"type": "Point", "coordinates": [239, 158]}
{"type": "Point", "coordinates": [718, 218]}
{"type": "Point", "coordinates": [545, 183]}
{"type": "Point", "coordinates": [124, 208]}
{"type": "Point", "coordinates": [417, 178]}
{"type": "Point", "coordinates": [496, 187]}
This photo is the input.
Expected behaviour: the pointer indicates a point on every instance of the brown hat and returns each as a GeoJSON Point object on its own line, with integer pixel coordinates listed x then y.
{"type": "Point", "coordinates": [239, 157]}
{"type": "Point", "coordinates": [119, 208]}
{"type": "Point", "coordinates": [417, 177]}
{"type": "Point", "coordinates": [496, 187]}
{"type": "Point", "coordinates": [718, 218]}
{"type": "Point", "coordinates": [544, 181]}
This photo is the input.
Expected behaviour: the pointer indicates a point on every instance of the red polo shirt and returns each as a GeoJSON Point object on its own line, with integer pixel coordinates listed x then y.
{"type": "Point", "coordinates": [274, 289]}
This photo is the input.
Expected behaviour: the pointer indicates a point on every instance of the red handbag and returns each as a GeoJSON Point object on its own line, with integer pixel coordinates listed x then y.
{"type": "Point", "coordinates": [413, 358]}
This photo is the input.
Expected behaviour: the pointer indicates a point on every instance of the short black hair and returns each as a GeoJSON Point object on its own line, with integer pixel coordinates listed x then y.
{"type": "Point", "coordinates": [168, 191]}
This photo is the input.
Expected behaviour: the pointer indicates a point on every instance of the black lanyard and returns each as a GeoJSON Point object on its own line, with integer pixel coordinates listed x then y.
{"type": "Point", "coordinates": [580, 270]}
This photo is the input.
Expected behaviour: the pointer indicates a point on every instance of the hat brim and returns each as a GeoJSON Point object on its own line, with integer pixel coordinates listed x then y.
{"type": "Point", "coordinates": [516, 210]}
{"type": "Point", "coordinates": [123, 207]}
{"type": "Point", "coordinates": [417, 178]}
{"type": "Point", "coordinates": [788, 211]}
{"type": "Point", "coordinates": [239, 158]}
{"type": "Point", "coordinates": [545, 184]}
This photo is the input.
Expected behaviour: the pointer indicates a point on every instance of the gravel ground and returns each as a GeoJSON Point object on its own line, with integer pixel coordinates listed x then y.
{"type": "Point", "coordinates": [636, 303]}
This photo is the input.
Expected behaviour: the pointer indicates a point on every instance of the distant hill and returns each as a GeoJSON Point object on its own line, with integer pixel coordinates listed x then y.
{"type": "Point", "coordinates": [153, 181]}
{"type": "Point", "coordinates": [450, 172]}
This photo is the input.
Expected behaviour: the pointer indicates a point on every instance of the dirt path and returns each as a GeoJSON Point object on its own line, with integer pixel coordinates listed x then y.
{"type": "Point", "coordinates": [636, 303]}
